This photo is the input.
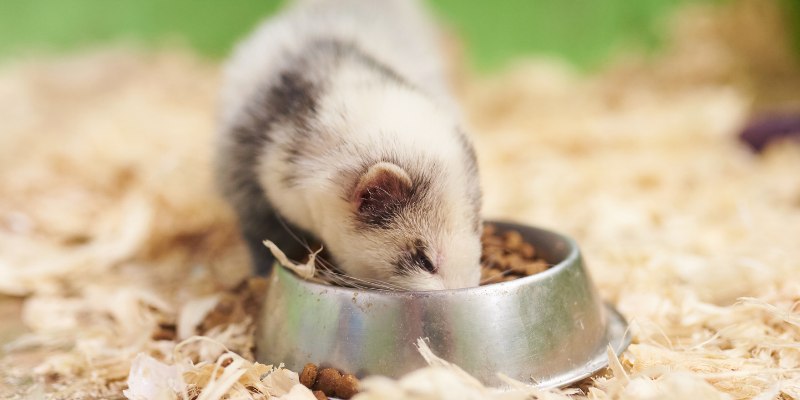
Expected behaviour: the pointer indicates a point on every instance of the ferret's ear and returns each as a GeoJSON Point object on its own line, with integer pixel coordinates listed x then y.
{"type": "Point", "coordinates": [380, 190]}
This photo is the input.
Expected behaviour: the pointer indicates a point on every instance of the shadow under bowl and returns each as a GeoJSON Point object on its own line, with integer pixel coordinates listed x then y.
{"type": "Point", "coordinates": [549, 329]}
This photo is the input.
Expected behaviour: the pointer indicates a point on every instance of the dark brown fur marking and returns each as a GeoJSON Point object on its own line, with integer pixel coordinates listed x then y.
{"type": "Point", "coordinates": [291, 99]}
{"type": "Point", "coordinates": [412, 260]}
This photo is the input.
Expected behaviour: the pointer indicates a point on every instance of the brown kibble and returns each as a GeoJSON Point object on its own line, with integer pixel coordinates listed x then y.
{"type": "Point", "coordinates": [493, 242]}
{"type": "Point", "coordinates": [506, 256]}
{"type": "Point", "coordinates": [496, 261]}
{"type": "Point", "coordinates": [499, 278]}
{"type": "Point", "coordinates": [509, 262]}
{"type": "Point", "coordinates": [320, 395]}
{"type": "Point", "coordinates": [527, 251]}
{"type": "Point", "coordinates": [309, 375]}
{"type": "Point", "coordinates": [490, 275]}
{"type": "Point", "coordinates": [489, 248]}
{"type": "Point", "coordinates": [502, 262]}
{"type": "Point", "coordinates": [516, 263]}
{"type": "Point", "coordinates": [513, 240]}
{"type": "Point", "coordinates": [535, 267]}
{"type": "Point", "coordinates": [327, 380]}
{"type": "Point", "coordinates": [347, 387]}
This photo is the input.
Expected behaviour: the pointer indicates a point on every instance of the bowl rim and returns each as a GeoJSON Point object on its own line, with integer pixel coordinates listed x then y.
{"type": "Point", "coordinates": [572, 258]}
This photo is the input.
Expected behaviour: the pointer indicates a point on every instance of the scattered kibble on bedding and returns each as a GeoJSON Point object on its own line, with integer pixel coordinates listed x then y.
{"type": "Point", "coordinates": [328, 382]}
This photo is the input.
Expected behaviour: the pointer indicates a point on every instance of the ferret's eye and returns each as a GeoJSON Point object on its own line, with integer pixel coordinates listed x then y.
{"type": "Point", "coordinates": [425, 262]}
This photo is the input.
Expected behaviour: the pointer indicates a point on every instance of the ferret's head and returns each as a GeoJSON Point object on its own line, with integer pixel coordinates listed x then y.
{"type": "Point", "coordinates": [408, 198]}
{"type": "Point", "coordinates": [414, 229]}
{"type": "Point", "coordinates": [381, 172]}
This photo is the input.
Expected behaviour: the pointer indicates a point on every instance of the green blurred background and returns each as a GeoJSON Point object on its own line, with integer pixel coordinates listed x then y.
{"type": "Point", "coordinates": [584, 32]}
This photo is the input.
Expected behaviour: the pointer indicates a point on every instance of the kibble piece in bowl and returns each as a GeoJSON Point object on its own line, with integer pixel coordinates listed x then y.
{"type": "Point", "coordinates": [506, 256]}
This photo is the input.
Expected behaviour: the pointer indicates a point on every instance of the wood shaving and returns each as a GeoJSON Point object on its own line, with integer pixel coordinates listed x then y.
{"type": "Point", "coordinates": [305, 270]}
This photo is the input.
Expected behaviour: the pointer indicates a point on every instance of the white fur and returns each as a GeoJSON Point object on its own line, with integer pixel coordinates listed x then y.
{"type": "Point", "coordinates": [396, 32]}
{"type": "Point", "coordinates": [363, 114]}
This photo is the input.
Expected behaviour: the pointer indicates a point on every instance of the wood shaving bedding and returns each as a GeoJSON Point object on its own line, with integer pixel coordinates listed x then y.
{"type": "Point", "coordinates": [129, 263]}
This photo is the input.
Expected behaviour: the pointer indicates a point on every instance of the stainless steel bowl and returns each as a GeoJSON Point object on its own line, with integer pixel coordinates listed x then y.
{"type": "Point", "coordinates": [549, 329]}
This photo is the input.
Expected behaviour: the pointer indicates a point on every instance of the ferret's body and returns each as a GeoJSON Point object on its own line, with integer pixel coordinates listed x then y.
{"type": "Point", "coordinates": [335, 118]}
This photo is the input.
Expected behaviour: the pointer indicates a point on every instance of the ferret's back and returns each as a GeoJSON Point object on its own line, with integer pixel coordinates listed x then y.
{"type": "Point", "coordinates": [396, 33]}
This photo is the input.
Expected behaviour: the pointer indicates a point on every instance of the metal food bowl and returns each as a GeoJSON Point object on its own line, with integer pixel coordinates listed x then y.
{"type": "Point", "coordinates": [549, 329]}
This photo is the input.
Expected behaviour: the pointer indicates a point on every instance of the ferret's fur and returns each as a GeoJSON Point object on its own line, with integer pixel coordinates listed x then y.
{"type": "Point", "coordinates": [336, 119]}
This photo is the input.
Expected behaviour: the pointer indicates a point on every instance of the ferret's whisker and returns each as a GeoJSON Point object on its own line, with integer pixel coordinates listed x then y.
{"type": "Point", "coordinates": [495, 276]}
{"type": "Point", "coordinates": [300, 240]}
{"type": "Point", "coordinates": [342, 277]}
{"type": "Point", "coordinates": [327, 271]}
{"type": "Point", "coordinates": [330, 273]}
{"type": "Point", "coordinates": [367, 283]}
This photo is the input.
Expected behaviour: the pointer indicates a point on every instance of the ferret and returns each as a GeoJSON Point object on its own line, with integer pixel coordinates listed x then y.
{"type": "Point", "coordinates": [336, 124]}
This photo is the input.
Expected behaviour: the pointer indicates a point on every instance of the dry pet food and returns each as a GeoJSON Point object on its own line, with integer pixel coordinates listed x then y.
{"type": "Point", "coordinates": [328, 382]}
{"type": "Point", "coordinates": [506, 256]}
